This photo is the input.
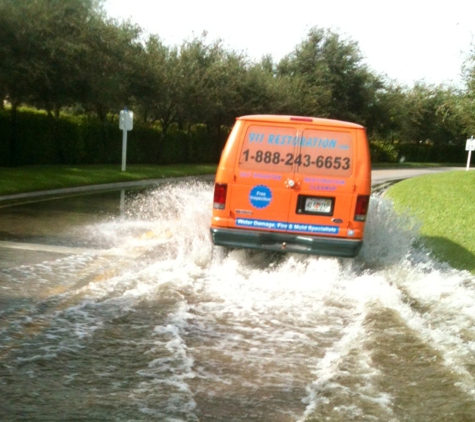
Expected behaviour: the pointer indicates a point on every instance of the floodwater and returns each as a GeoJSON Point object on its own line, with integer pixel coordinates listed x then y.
{"type": "Point", "coordinates": [134, 316]}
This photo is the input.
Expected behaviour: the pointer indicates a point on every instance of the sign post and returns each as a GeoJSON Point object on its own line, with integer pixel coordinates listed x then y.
{"type": "Point", "coordinates": [126, 123]}
{"type": "Point", "coordinates": [469, 146]}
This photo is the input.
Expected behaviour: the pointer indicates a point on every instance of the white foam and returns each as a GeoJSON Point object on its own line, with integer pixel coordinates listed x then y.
{"type": "Point", "coordinates": [169, 374]}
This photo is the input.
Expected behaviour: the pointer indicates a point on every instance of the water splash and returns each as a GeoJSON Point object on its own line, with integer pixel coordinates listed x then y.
{"type": "Point", "coordinates": [256, 335]}
{"type": "Point", "coordinates": [389, 237]}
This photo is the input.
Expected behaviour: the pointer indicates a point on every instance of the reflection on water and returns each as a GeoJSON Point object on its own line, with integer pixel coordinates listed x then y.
{"type": "Point", "coordinates": [61, 220]}
{"type": "Point", "coordinates": [169, 328]}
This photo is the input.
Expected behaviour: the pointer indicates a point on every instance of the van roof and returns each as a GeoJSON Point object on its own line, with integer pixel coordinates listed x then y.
{"type": "Point", "coordinates": [287, 119]}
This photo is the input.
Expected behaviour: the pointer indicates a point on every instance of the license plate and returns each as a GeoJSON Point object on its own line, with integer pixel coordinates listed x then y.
{"type": "Point", "coordinates": [320, 205]}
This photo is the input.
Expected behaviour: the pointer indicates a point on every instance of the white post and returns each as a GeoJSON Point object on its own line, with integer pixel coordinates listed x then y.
{"type": "Point", "coordinates": [124, 148]}
{"type": "Point", "coordinates": [126, 122]}
{"type": "Point", "coordinates": [469, 146]}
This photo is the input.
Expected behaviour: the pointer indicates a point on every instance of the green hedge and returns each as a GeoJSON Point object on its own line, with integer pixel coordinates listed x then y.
{"type": "Point", "coordinates": [5, 136]}
{"type": "Point", "coordinates": [384, 152]}
{"type": "Point", "coordinates": [424, 153]}
{"type": "Point", "coordinates": [43, 139]}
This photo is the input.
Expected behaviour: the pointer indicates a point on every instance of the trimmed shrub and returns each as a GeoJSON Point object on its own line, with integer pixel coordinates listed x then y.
{"type": "Point", "coordinates": [43, 139]}
{"type": "Point", "coordinates": [5, 136]}
{"type": "Point", "coordinates": [383, 152]}
{"type": "Point", "coordinates": [426, 153]}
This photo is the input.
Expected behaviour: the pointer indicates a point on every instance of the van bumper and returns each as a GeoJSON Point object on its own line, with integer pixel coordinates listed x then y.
{"type": "Point", "coordinates": [283, 242]}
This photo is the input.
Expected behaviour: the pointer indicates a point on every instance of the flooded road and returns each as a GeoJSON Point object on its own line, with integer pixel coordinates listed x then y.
{"type": "Point", "coordinates": [134, 316]}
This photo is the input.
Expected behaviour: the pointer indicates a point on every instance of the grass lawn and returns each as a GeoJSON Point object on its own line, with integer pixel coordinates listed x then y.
{"type": "Point", "coordinates": [37, 178]}
{"type": "Point", "coordinates": [445, 205]}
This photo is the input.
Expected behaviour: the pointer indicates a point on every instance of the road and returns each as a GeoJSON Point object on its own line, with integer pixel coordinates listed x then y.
{"type": "Point", "coordinates": [100, 320]}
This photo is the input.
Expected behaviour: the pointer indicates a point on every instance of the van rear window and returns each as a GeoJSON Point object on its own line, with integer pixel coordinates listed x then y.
{"type": "Point", "coordinates": [268, 148]}
{"type": "Point", "coordinates": [329, 153]}
{"type": "Point", "coordinates": [286, 149]}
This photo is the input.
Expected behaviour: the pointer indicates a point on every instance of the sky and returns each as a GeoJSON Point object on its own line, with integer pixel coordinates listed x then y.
{"type": "Point", "coordinates": [406, 41]}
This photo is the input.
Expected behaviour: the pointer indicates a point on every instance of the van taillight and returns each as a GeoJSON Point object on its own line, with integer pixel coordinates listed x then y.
{"type": "Point", "coordinates": [362, 204]}
{"type": "Point", "coordinates": [220, 190]}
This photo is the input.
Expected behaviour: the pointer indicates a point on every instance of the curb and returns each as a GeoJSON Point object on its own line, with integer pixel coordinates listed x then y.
{"type": "Point", "coordinates": [106, 186]}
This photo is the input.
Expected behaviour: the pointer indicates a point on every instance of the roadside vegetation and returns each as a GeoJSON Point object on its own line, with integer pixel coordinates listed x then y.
{"type": "Point", "coordinates": [67, 69]}
{"type": "Point", "coordinates": [444, 204]}
{"type": "Point", "coordinates": [37, 178]}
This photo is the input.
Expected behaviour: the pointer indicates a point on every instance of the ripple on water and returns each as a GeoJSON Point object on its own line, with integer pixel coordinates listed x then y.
{"type": "Point", "coordinates": [184, 331]}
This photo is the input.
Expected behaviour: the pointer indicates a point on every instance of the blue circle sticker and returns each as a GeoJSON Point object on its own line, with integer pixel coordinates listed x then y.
{"type": "Point", "coordinates": [260, 196]}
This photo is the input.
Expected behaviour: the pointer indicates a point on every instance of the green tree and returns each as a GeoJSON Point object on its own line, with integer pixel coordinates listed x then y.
{"type": "Point", "coordinates": [155, 86]}
{"type": "Point", "coordinates": [42, 44]}
{"type": "Point", "coordinates": [38, 53]}
{"type": "Point", "coordinates": [331, 78]}
{"type": "Point", "coordinates": [466, 105]}
{"type": "Point", "coordinates": [431, 115]}
{"type": "Point", "coordinates": [109, 54]}
{"type": "Point", "coordinates": [210, 81]}
{"type": "Point", "coordinates": [387, 113]}
{"type": "Point", "coordinates": [256, 89]}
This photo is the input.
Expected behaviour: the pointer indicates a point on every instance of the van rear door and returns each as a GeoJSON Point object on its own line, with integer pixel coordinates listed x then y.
{"type": "Point", "coordinates": [260, 197]}
{"type": "Point", "coordinates": [321, 201]}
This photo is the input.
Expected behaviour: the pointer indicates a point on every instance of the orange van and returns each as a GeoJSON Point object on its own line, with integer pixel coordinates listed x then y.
{"type": "Point", "coordinates": [293, 184]}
